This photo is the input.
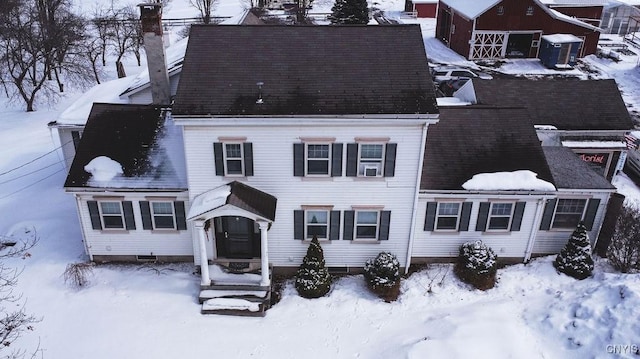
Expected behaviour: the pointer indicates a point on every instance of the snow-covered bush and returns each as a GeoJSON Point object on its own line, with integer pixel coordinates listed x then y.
{"type": "Point", "coordinates": [477, 265]}
{"type": "Point", "coordinates": [382, 274]}
{"type": "Point", "coordinates": [624, 249]}
{"type": "Point", "coordinates": [312, 278]}
{"type": "Point", "coordinates": [575, 258]}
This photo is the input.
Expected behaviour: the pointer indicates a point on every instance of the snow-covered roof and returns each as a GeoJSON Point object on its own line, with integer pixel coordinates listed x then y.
{"type": "Point", "coordinates": [560, 16]}
{"type": "Point", "coordinates": [471, 9]}
{"type": "Point", "coordinates": [106, 92]}
{"type": "Point", "coordinates": [561, 38]}
{"type": "Point", "coordinates": [209, 200]}
{"type": "Point", "coordinates": [508, 181]}
{"type": "Point", "coordinates": [451, 101]}
{"type": "Point", "coordinates": [103, 169]}
{"type": "Point", "coordinates": [576, 3]}
{"type": "Point", "coordinates": [594, 144]}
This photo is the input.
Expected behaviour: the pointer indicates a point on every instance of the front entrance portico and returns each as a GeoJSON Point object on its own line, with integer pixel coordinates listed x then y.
{"type": "Point", "coordinates": [239, 217]}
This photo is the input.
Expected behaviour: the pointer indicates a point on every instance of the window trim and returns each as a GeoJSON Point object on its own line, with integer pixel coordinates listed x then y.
{"type": "Point", "coordinates": [438, 215]}
{"type": "Point", "coordinates": [307, 159]}
{"type": "Point", "coordinates": [102, 215]}
{"type": "Point", "coordinates": [377, 224]}
{"type": "Point", "coordinates": [379, 168]}
{"type": "Point", "coordinates": [555, 212]}
{"type": "Point", "coordinates": [226, 158]}
{"type": "Point", "coordinates": [491, 215]}
{"type": "Point", "coordinates": [172, 215]}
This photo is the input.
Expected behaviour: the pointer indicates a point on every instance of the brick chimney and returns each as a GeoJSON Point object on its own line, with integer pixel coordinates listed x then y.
{"type": "Point", "coordinates": [150, 18]}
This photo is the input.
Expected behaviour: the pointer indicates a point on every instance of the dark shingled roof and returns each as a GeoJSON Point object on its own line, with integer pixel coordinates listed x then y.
{"type": "Point", "coordinates": [305, 70]}
{"type": "Point", "coordinates": [565, 165]}
{"type": "Point", "coordinates": [565, 104]}
{"type": "Point", "coordinates": [126, 134]}
{"type": "Point", "coordinates": [468, 141]}
{"type": "Point", "coordinates": [252, 200]}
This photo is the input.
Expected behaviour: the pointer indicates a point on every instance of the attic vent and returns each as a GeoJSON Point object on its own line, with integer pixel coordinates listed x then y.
{"type": "Point", "coordinates": [259, 101]}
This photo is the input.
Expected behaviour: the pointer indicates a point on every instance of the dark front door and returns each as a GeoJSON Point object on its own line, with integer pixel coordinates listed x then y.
{"type": "Point", "coordinates": [235, 237]}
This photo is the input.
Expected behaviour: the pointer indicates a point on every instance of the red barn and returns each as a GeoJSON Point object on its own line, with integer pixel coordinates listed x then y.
{"type": "Point", "coordinates": [494, 29]}
{"type": "Point", "coordinates": [589, 11]}
{"type": "Point", "coordinates": [425, 8]}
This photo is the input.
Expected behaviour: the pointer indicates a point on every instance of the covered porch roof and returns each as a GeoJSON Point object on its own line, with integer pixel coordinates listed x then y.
{"type": "Point", "coordinates": [232, 199]}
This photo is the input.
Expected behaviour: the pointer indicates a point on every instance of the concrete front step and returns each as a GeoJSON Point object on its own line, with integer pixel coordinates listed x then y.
{"type": "Point", "coordinates": [233, 306]}
{"type": "Point", "coordinates": [250, 295]}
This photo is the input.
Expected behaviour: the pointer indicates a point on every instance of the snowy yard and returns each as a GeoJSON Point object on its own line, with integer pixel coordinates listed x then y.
{"type": "Point", "coordinates": [151, 311]}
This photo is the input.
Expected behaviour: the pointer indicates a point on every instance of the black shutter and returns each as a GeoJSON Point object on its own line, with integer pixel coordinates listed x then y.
{"type": "Point", "coordinates": [334, 224]}
{"type": "Point", "coordinates": [129, 220]}
{"type": "Point", "coordinates": [94, 213]}
{"type": "Point", "coordinates": [390, 159]}
{"type": "Point", "coordinates": [219, 160]}
{"type": "Point", "coordinates": [590, 216]}
{"type": "Point", "coordinates": [298, 224]}
{"type": "Point", "coordinates": [547, 215]}
{"type": "Point", "coordinates": [336, 160]}
{"type": "Point", "coordinates": [483, 214]}
{"type": "Point", "coordinates": [145, 210]}
{"type": "Point", "coordinates": [385, 218]}
{"type": "Point", "coordinates": [248, 158]}
{"type": "Point", "coordinates": [298, 159]}
{"type": "Point", "coordinates": [517, 216]}
{"type": "Point", "coordinates": [465, 215]}
{"type": "Point", "coordinates": [430, 217]}
{"type": "Point", "coordinates": [181, 221]}
{"type": "Point", "coordinates": [352, 159]}
{"type": "Point", "coordinates": [348, 225]}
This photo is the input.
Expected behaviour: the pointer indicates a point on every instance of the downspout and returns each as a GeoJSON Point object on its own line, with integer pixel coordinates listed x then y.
{"type": "Point", "coordinates": [84, 234]}
{"type": "Point", "coordinates": [414, 212]}
{"type": "Point", "coordinates": [534, 228]}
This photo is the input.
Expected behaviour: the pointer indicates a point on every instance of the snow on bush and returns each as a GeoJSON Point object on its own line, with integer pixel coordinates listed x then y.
{"type": "Point", "coordinates": [477, 265]}
{"type": "Point", "coordinates": [575, 258]}
{"type": "Point", "coordinates": [312, 278]}
{"type": "Point", "coordinates": [382, 274]}
{"type": "Point", "coordinates": [624, 249]}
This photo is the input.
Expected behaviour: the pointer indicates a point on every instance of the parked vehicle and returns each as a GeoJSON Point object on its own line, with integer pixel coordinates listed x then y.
{"type": "Point", "coordinates": [441, 74]}
{"type": "Point", "coordinates": [448, 87]}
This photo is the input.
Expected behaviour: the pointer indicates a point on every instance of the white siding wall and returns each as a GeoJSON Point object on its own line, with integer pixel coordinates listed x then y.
{"type": "Point", "coordinates": [553, 240]}
{"type": "Point", "coordinates": [446, 244]}
{"type": "Point", "coordinates": [66, 143]}
{"type": "Point", "coordinates": [273, 173]}
{"type": "Point", "coordinates": [138, 241]}
{"type": "Point", "coordinates": [143, 97]}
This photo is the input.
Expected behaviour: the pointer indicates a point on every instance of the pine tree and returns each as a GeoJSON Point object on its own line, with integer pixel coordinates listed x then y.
{"type": "Point", "coordinates": [349, 12]}
{"type": "Point", "coordinates": [575, 258]}
{"type": "Point", "coordinates": [313, 279]}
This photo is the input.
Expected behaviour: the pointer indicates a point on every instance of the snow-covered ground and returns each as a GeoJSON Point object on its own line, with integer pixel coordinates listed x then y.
{"type": "Point", "coordinates": [151, 311]}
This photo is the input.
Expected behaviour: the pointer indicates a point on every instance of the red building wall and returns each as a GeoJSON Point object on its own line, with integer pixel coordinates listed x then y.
{"type": "Point", "coordinates": [584, 13]}
{"type": "Point", "coordinates": [426, 10]}
{"type": "Point", "coordinates": [458, 32]}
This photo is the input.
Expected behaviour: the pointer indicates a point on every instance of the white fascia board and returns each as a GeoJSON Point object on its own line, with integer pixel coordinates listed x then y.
{"type": "Point", "coordinates": [484, 194]}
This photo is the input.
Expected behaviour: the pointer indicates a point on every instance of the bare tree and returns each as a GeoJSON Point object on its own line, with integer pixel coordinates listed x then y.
{"type": "Point", "coordinates": [123, 34]}
{"type": "Point", "coordinates": [14, 320]}
{"type": "Point", "coordinates": [205, 7]}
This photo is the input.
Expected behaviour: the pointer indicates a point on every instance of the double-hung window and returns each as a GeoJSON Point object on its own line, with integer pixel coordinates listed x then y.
{"type": "Point", "coordinates": [447, 216]}
{"type": "Point", "coordinates": [233, 159]}
{"type": "Point", "coordinates": [569, 212]}
{"type": "Point", "coordinates": [367, 223]}
{"type": "Point", "coordinates": [163, 216]}
{"type": "Point", "coordinates": [316, 224]}
{"type": "Point", "coordinates": [318, 159]}
{"type": "Point", "coordinates": [112, 215]}
{"type": "Point", "coordinates": [500, 216]}
{"type": "Point", "coordinates": [529, 10]}
{"type": "Point", "coordinates": [370, 160]}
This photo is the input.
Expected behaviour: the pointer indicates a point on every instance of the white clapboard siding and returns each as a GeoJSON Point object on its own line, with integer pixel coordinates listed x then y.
{"type": "Point", "coordinates": [507, 244]}
{"type": "Point", "coordinates": [66, 142]}
{"type": "Point", "coordinates": [552, 241]}
{"type": "Point", "coordinates": [273, 173]}
{"type": "Point", "coordinates": [138, 241]}
{"type": "Point", "coordinates": [143, 97]}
